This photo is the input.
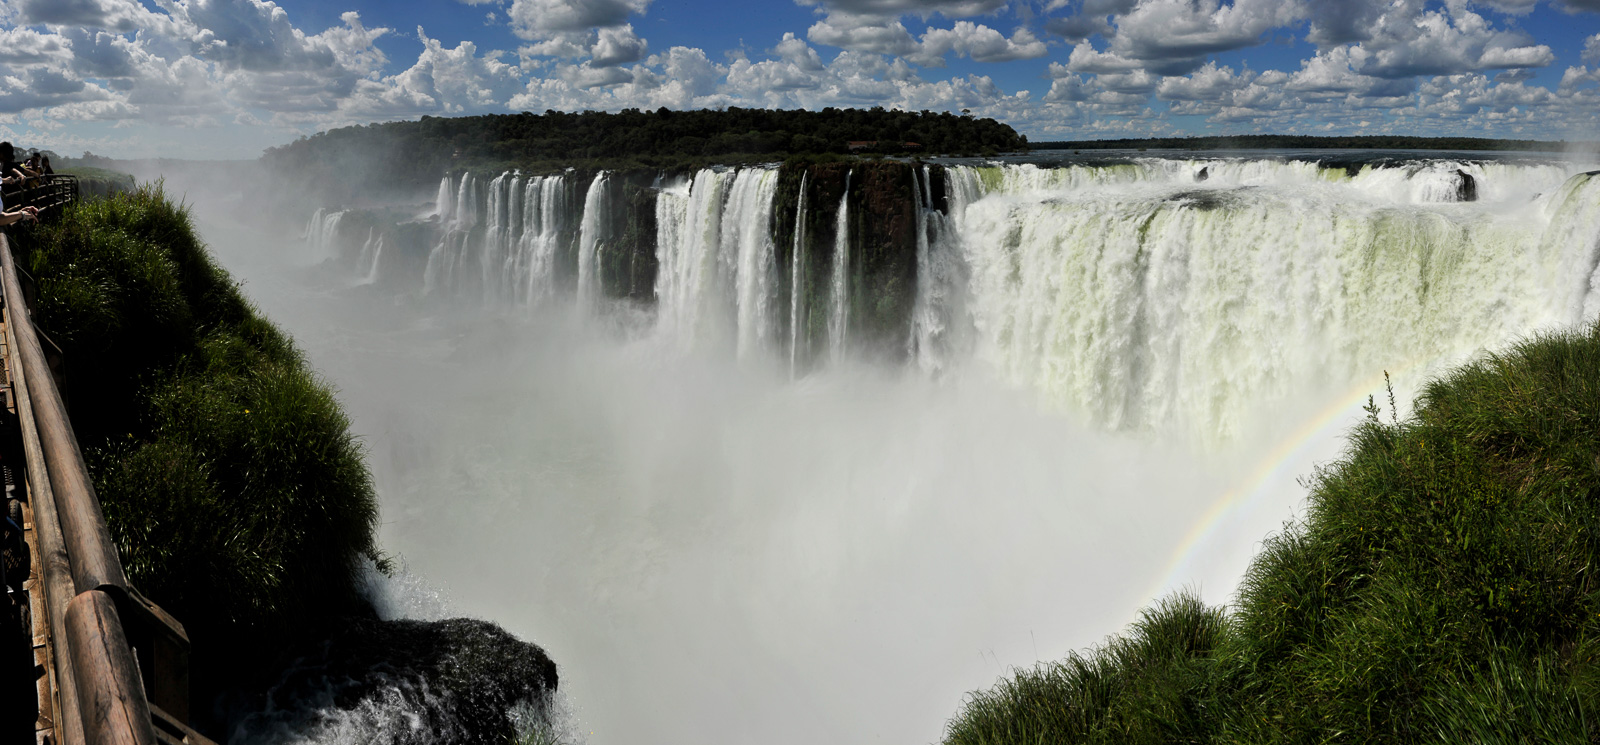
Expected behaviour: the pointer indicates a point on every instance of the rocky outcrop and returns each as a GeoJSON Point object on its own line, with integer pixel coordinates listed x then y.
{"type": "Point", "coordinates": [458, 681]}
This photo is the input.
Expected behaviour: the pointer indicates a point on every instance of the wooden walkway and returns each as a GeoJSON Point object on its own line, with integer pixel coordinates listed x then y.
{"type": "Point", "coordinates": [110, 666]}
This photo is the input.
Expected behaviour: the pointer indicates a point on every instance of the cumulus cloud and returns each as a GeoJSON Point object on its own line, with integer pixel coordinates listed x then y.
{"type": "Point", "coordinates": [1170, 37]}
{"type": "Point", "coordinates": [543, 19]}
{"type": "Point", "coordinates": [965, 38]}
{"type": "Point", "coordinates": [924, 8]}
{"type": "Point", "coordinates": [112, 15]}
{"type": "Point", "coordinates": [1091, 17]}
{"type": "Point", "coordinates": [981, 43]}
{"type": "Point", "coordinates": [615, 46]}
{"type": "Point", "coordinates": [1407, 41]}
{"type": "Point", "coordinates": [1129, 66]}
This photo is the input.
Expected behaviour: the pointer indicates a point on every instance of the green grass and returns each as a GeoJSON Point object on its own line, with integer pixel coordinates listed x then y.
{"type": "Point", "coordinates": [237, 497]}
{"type": "Point", "coordinates": [1442, 588]}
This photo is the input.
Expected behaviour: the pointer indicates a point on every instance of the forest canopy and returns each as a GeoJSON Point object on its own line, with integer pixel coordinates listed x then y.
{"type": "Point", "coordinates": [413, 152]}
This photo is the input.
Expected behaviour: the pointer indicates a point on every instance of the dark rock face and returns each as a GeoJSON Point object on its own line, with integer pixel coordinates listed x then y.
{"type": "Point", "coordinates": [627, 260]}
{"type": "Point", "coordinates": [884, 264]}
{"type": "Point", "coordinates": [1205, 173]}
{"type": "Point", "coordinates": [1466, 187]}
{"type": "Point", "coordinates": [454, 681]}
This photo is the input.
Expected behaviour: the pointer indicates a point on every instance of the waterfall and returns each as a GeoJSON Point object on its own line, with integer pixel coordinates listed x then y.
{"type": "Point", "coordinates": [591, 240]}
{"type": "Point", "coordinates": [371, 253]}
{"type": "Point", "coordinates": [1152, 294]}
{"type": "Point", "coordinates": [444, 262]}
{"type": "Point", "coordinates": [748, 219]}
{"type": "Point", "coordinates": [322, 233]}
{"type": "Point", "coordinates": [544, 222]}
{"type": "Point", "coordinates": [494, 248]}
{"type": "Point", "coordinates": [939, 320]}
{"type": "Point", "coordinates": [1156, 305]}
{"type": "Point", "coordinates": [688, 243]}
{"type": "Point", "coordinates": [443, 201]}
{"type": "Point", "coordinates": [839, 298]}
{"type": "Point", "coordinates": [797, 276]}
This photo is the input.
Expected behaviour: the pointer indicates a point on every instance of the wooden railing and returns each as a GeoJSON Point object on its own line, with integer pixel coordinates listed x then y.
{"type": "Point", "coordinates": [44, 192]}
{"type": "Point", "coordinates": [118, 663]}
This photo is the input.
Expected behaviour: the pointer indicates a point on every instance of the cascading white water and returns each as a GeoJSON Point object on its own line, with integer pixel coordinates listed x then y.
{"type": "Point", "coordinates": [456, 226]}
{"type": "Point", "coordinates": [748, 218]}
{"type": "Point", "coordinates": [1159, 303]}
{"type": "Point", "coordinates": [716, 254]}
{"type": "Point", "coordinates": [509, 259]}
{"type": "Point", "coordinates": [839, 283]}
{"type": "Point", "coordinates": [797, 276]}
{"type": "Point", "coordinates": [322, 234]}
{"type": "Point", "coordinates": [592, 238]}
{"type": "Point", "coordinates": [371, 254]}
{"type": "Point", "coordinates": [940, 332]}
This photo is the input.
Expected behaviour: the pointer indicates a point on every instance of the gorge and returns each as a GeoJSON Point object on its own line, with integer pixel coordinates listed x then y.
{"type": "Point", "coordinates": [805, 452]}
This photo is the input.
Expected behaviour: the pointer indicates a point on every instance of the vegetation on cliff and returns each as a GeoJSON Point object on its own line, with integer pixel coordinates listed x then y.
{"type": "Point", "coordinates": [1442, 588]}
{"type": "Point", "coordinates": [237, 497]}
{"type": "Point", "coordinates": [407, 155]}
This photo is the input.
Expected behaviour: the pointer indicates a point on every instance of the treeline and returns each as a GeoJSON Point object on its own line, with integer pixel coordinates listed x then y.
{"type": "Point", "coordinates": [1299, 142]}
{"type": "Point", "coordinates": [407, 154]}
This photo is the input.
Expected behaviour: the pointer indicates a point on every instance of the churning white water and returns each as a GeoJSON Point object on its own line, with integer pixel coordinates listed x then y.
{"type": "Point", "coordinates": [1104, 360]}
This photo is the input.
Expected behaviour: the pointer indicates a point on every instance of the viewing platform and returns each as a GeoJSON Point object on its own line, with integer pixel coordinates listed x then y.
{"type": "Point", "coordinates": [106, 664]}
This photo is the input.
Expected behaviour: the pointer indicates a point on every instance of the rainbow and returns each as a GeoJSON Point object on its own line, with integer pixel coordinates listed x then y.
{"type": "Point", "coordinates": [1252, 489]}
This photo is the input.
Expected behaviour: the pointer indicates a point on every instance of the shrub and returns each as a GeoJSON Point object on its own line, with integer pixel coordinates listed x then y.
{"type": "Point", "coordinates": [238, 499]}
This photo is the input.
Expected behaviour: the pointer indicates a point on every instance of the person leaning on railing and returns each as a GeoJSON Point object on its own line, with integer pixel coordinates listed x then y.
{"type": "Point", "coordinates": [24, 212]}
{"type": "Point", "coordinates": [20, 213]}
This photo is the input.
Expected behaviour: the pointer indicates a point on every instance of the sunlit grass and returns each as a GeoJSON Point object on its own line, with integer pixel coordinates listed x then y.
{"type": "Point", "coordinates": [1442, 588]}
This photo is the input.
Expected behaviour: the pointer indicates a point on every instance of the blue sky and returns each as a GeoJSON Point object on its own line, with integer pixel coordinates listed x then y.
{"type": "Point", "coordinates": [228, 78]}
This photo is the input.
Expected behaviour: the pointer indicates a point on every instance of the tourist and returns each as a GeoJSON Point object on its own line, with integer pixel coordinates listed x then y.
{"type": "Point", "coordinates": [11, 172]}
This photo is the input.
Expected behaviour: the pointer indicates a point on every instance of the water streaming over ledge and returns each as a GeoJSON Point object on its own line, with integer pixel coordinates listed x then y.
{"type": "Point", "coordinates": [1153, 294]}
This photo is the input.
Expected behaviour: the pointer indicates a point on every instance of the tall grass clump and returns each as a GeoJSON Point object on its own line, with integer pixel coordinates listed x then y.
{"type": "Point", "coordinates": [238, 499]}
{"type": "Point", "coordinates": [1442, 588]}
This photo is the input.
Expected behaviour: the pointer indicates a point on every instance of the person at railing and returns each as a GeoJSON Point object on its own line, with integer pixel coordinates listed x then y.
{"type": "Point", "coordinates": [14, 215]}
{"type": "Point", "coordinates": [11, 172]}
{"type": "Point", "coordinates": [34, 171]}
{"type": "Point", "coordinates": [46, 169]}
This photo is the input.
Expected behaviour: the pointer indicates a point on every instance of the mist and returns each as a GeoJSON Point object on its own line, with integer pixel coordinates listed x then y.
{"type": "Point", "coordinates": [715, 551]}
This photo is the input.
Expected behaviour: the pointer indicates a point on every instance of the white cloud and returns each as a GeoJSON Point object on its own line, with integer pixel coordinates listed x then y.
{"type": "Point", "coordinates": [1591, 49]}
{"type": "Point", "coordinates": [615, 46]}
{"type": "Point", "coordinates": [1209, 83]}
{"type": "Point", "coordinates": [113, 15]}
{"type": "Point", "coordinates": [964, 38]}
{"type": "Point", "coordinates": [981, 43]}
{"type": "Point", "coordinates": [1407, 41]}
{"type": "Point", "coordinates": [542, 19]}
{"type": "Point", "coordinates": [924, 8]}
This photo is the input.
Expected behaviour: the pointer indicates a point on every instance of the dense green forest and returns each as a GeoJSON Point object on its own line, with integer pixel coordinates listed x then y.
{"type": "Point", "coordinates": [409, 154]}
{"type": "Point", "coordinates": [1299, 142]}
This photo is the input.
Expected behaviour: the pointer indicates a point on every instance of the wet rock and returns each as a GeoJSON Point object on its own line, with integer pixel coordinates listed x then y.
{"type": "Point", "coordinates": [1466, 187]}
{"type": "Point", "coordinates": [454, 681]}
{"type": "Point", "coordinates": [1205, 173]}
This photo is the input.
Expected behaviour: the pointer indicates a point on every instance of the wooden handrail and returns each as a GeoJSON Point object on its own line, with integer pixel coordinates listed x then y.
{"type": "Point", "coordinates": [104, 684]}
{"type": "Point", "coordinates": [95, 563]}
{"type": "Point", "coordinates": [55, 567]}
